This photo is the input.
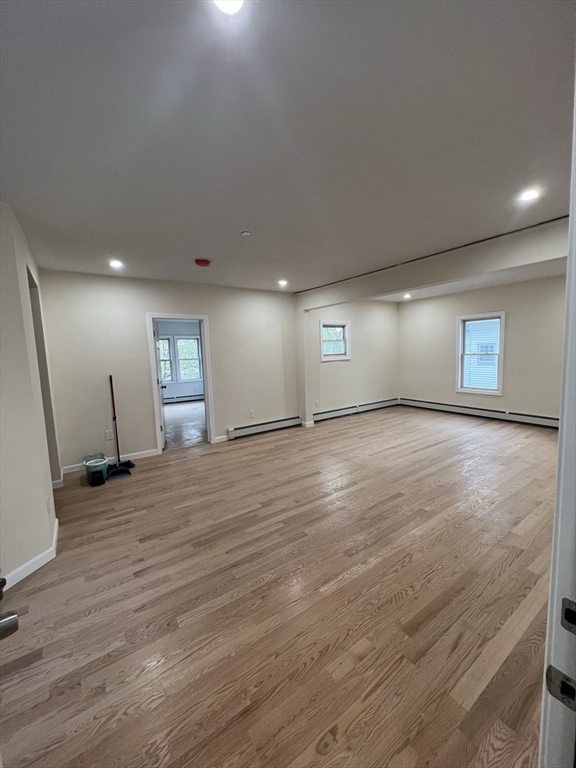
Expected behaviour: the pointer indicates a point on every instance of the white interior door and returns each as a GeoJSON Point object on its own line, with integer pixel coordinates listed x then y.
{"type": "Point", "coordinates": [160, 385]}
{"type": "Point", "coordinates": [558, 716]}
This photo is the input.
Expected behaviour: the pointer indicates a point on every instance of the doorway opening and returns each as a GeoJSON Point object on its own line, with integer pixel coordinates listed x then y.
{"type": "Point", "coordinates": [182, 380]}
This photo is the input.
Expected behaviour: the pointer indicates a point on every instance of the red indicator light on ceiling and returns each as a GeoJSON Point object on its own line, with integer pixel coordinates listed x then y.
{"type": "Point", "coordinates": [202, 262]}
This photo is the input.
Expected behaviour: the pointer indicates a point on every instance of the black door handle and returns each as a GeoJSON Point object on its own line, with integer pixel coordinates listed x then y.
{"type": "Point", "coordinates": [162, 386]}
{"type": "Point", "coordinates": [8, 621]}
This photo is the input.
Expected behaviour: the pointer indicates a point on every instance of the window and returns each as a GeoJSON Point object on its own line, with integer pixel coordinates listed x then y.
{"type": "Point", "coordinates": [165, 353]}
{"type": "Point", "coordinates": [480, 359]}
{"type": "Point", "coordinates": [188, 358]}
{"type": "Point", "coordinates": [334, 340]}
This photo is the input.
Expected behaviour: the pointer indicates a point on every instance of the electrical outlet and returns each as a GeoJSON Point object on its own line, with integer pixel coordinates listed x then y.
{"type": "Point", "coordinates": [108, 434]}
{"type": "Point", "coordinates": [251, 414]}
{"type": "Point", "coordinates": [478, 401]}
{"type": "Point", "coordinates": [413, 392]}
{"type": "Point", "coordinates": [317, 403]}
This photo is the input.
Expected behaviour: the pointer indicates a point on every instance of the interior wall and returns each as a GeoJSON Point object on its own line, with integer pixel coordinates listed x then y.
{"type": "Point", "coordinates": [96, 326]}
{"type": "Point", "coordinates": [533, 346]}
{"type": "Point", "coordinates": [48, 408]}
{"type": "Point", "coordinates": [371, 373]}
{"type": "Point", "coordinates": [27, 522]}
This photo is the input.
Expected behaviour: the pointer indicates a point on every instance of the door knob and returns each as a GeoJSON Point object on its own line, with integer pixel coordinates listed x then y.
{"type": "Point", "coordinates": [162, 386]}
{"type": "Point", "coordinates": [8, 621]}
{"type": "Point", "coordinates": [8, 624]}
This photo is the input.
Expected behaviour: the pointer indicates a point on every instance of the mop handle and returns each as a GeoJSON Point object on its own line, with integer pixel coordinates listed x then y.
{"type": "Point", "coordinates": [114, 420]}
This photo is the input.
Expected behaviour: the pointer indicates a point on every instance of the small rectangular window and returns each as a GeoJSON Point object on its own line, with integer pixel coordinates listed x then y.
{"type": "Point", "coordinates": [189, 365]}
{"type": "Point", "coordinates": [334, 340]}
{"type": "Point", "coordinates": [480, 348]}
{"type": "Point", "coordinates": [165, 354]}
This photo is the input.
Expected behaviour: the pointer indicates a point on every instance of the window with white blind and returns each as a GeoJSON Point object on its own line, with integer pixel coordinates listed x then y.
{"type": "Point", "coordinates": [334, 340]}
{"type": "Point", "coordinates": [480, 353]}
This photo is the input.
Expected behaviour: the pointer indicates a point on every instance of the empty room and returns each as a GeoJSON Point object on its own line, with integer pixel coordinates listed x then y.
{"type": "Point", "coordinates": [288, 384]}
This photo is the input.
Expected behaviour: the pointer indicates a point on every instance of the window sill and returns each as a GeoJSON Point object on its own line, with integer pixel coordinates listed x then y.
{"type": "Point", "coordinates": [468, 391]}
{"type": "Point", "coordinates": [334, 359]}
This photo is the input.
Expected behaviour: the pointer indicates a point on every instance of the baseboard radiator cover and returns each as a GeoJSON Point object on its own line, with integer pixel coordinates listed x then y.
{"type": "Point", "coordinates": [264, 426]}
{"type": "Point", "coordinates": [337, 412]}
{"type": "Point", "coordinates": [490, 413]}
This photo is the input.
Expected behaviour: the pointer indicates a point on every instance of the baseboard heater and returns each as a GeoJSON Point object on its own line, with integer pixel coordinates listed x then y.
{"type": "Point", "coordinates": [183, 399]}
{"type": "Point", "coordinates": [264, 426]}
{"type": "Point", "coordinates": [337, 412]}
{"type": "Point", "coordinates": [490, 413]}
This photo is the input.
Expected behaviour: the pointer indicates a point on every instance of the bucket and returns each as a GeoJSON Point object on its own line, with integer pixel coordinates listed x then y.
{"type": "Point", "coordinates": [95, 464]}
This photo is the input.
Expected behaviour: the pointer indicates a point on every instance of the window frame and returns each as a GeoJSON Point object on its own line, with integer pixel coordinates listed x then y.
{"type": "Point", "coordinates": [172, 380]}
{"type": "Point", "coordinates": [345, 324]}
{"type": "Point", "coordinates": [460, 355]}
{"type": "Point", "coordinates": [176, 337]}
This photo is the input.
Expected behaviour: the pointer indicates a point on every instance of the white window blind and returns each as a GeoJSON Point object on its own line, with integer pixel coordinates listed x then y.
{"type": "Point", "coordinates": [480, 357]}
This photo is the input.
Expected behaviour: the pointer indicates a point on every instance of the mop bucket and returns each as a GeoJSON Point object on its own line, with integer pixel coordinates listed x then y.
{"type": "Point", "coordinates": [95, 465]}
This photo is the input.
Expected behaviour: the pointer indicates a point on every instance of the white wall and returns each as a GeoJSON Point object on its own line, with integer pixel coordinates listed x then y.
{"type": "Point", "coordinates": [371, 373]}
{"type": "Point", "coordinates": [532, 346]}
{"type": "Point", "coordinates": [173, 328]}
{"type": "Point", "coordinates": [27, 520]}
{"type": "Point", "coordinates": [96, 326]}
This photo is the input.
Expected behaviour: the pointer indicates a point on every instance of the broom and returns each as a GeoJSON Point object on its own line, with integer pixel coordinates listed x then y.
{"type": "Point", "coordinates": [121, 468]}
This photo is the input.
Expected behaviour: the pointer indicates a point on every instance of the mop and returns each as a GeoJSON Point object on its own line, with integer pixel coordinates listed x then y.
{"type": "Point", "coordinates": [121, 468]}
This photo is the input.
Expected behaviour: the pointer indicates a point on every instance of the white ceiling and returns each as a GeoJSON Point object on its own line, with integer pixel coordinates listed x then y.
{"type": "Point", "coordinates": [535, 271]}
{"type": "Point", "coordinates": [346, 135]}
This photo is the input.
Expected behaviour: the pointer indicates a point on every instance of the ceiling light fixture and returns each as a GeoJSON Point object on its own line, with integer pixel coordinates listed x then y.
{"type": "Point", "coordinates": [115, 264]}
{"type": "Point", "coordinates": [407, 296]}
{"type": "Point", "coordinates": [229, 6]}
{"type": "Point", "coordinates": [282, 283]}
{"type": "Point", "coordinates": [529, 194]}
{"type": "Point", "coordinates": [245, 233]}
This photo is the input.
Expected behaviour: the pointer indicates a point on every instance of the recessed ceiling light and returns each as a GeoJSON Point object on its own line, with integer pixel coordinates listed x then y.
{"type": "Point", "coordinates": [529, 194]}
{"type": "Point", "coordinates": [115, 264]}
{"type": "Point", "coordinates": [407, 296]}
{"type": "Point", "coordinates": [245, 233]}
{"type": "Point", "coordinates": [229, 6]}
{"type": "Point", "coordinates": [282, 283]}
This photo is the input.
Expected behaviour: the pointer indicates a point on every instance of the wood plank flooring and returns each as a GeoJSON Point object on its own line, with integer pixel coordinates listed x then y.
{"type": "Point", "coordinates": [369, 592]}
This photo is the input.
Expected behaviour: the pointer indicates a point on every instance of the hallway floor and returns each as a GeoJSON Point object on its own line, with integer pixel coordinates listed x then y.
{"type": "Point", "coordinates": [369, 592]}
{"type": "Point", "coordinates": [185, 424]}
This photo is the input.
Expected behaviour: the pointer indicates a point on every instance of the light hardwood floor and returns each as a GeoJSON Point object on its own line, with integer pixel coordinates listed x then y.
{"type": "Point", "coordinates": [185, 424]}
{"type": "Point", "coordinates": [368, 592]}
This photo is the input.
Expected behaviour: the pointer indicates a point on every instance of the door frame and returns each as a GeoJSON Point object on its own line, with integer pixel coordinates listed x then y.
{"type": "Point", "coordinates": [206, 369]}
{"type": "Point", "coordinates": [558, 723]}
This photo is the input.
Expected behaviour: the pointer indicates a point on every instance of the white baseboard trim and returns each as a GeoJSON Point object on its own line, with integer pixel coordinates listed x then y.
{"type": "Point", "coordinates": [351, 409]}
{"type": "Point", "coordinates": [523, 418]}
{"type": "Point", "coordinates": [112, 459]}
{"type": "Point", "coordinates": [307, 423]}
{"type": "Point", "coordinates": [28, 568]}
{"type": "Point", "coordinates": [57, 483]}
{"type": "Point", "coordinates": [220, 439]}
